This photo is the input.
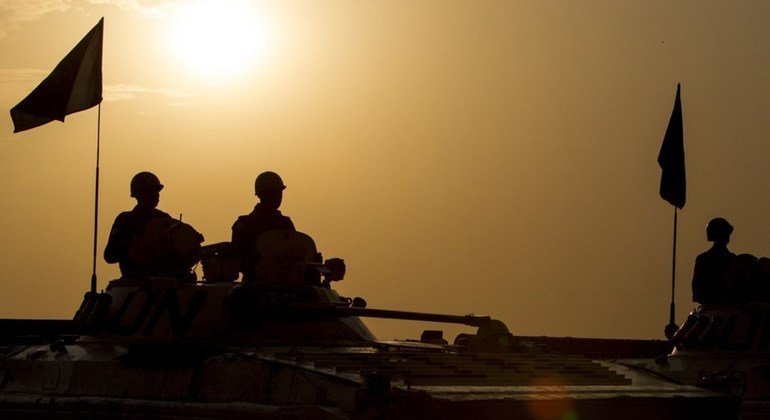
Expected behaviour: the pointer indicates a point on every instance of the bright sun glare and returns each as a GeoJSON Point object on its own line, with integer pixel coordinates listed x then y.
{"type": "Point", "coordinates": [217, 39]}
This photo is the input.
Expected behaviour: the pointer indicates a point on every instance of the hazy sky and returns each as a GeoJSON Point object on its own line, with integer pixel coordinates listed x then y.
{"type": "Point", "coordinates": [493, 157]}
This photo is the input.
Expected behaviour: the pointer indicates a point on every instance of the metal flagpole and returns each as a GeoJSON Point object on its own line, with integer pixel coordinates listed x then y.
{"type": "Point", "coordinates": [672, 327]}
{"type": "Point", "coordinates": [96, 196]}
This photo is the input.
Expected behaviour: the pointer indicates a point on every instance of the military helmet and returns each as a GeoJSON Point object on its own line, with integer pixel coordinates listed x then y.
{"type": "Point", "coordinates": [144, 181]}
{"type": "Point", "coordinates": [718, 227]}
{"type": "Point", "coordinates": [267, 180]}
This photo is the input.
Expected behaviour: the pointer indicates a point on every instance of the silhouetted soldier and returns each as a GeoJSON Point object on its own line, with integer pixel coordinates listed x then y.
{"type": "Point", "coordinates": [265, 217]}
{"type": "Point", "coordinates": [708, 280]}
{"type": "Point", "coordinates": [130, 225]}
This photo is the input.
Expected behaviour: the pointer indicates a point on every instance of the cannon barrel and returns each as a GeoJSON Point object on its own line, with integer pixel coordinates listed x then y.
{"type": "Point", "coordinates": [343, 311]}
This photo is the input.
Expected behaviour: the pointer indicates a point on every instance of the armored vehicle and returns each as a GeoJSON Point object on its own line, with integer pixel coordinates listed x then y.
{"type": "Point", "coordinates": [723, 347]}
{"type": "Point", "coordinates": [291, 347]}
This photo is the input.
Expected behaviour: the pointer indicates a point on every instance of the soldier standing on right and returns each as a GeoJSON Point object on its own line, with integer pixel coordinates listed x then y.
{"type": "Point", "coordinates": [265, 217]}
{"type": "Point", "coordinates": [708, 280]}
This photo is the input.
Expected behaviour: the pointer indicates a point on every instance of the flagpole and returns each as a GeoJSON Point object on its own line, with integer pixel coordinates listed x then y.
{"type": "Point", "coordinates": [96, 196]}
{"type": "Point", "coordinates": [74, 85]}
{"type": "Point", "coordinates": [672, 327]}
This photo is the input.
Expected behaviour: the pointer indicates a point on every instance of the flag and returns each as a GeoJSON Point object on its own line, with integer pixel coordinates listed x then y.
{"type": "Point", "coordinates": [673, 187]}
{"type": "Point", "coordinates": [74, 85]}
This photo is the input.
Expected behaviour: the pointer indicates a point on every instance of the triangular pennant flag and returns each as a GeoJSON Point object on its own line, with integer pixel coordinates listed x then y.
{"type": "Point", "coordinates": [673, 185]}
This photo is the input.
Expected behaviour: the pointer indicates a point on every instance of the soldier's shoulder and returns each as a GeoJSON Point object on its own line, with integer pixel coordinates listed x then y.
{"type": "Point", "coordinates": [124, 216]}
{"type": "Point", "coordinates": [160, 213]}
{"type": "Point", "coordinates": [241, 222]}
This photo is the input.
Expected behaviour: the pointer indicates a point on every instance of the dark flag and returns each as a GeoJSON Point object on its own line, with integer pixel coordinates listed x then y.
{"type": "Point", "coordinates": [673, 187]}
{"type": "Point", "coordinates": [74, 85]}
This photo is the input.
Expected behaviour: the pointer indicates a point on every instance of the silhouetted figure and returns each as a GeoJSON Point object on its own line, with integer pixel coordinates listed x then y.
{"type": "Point", "coordinates": [709, 275]}
{"type": "Point", "coordinates": [738, 279]}
{"type": "Point", "coordinates": [759, 287]}
{"type": "Point", "coordinates": [147, 242]}
{"type": "Point", "coordinates": [266, 243]}
{"type": "Point", "coordinates": [265, 217]}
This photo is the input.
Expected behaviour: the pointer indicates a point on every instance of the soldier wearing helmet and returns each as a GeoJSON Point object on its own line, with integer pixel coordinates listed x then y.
{"type": "Point", "coordinates": [708, 280]}
{"type": "Point", "coordinates": [265, 217]}
{"type": "Point", "coordinates": [145, 188]}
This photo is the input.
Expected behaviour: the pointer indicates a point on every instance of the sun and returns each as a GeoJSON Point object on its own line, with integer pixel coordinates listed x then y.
{"type": "Point", "coordinates": [217, 39]}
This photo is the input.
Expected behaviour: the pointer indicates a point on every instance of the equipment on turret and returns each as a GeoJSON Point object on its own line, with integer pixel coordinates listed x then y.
{"type": "Point", "coordinates": [167, 247]}
{"type": "Point", "coordinates": [291, 258]}
{"type": "Point", "coordinates": [219, 262]}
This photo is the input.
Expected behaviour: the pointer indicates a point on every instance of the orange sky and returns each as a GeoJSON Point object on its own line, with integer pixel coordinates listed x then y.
{"type": "Point", "coordinates": [494, 157]}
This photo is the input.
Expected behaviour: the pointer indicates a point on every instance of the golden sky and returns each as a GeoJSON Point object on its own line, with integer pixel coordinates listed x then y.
{"type": "Point", "coordinates": [487, 157]}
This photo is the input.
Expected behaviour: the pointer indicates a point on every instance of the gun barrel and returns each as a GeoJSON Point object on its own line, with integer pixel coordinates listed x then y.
{"type": "Point", "coordinates": [342, 311]}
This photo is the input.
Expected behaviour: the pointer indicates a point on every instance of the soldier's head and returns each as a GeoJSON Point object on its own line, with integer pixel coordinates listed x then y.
{"type": "Point", "coordinates": [269, 188]}
{"type": "Point", "coordinates": [145, 187]}
{"type": "Point", "coordinates": [718, 231]}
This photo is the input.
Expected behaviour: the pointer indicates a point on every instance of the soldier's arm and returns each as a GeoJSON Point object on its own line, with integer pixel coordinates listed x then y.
{"type": "Point", "coordinates": [240, 242]}
{"type": "Point", "coordinates": [697, 281]}
{"type": "Point", "coordinates": [119, 239]}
